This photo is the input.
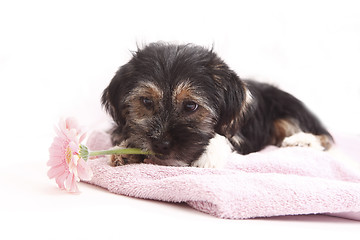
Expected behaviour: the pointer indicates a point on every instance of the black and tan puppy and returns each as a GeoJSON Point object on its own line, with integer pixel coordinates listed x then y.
{"type": "Point", "coordinates": [185, 104]}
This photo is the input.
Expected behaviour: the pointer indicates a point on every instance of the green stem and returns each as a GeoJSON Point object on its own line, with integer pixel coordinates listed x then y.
{"type": "Point", "coordinates": [121, 151]}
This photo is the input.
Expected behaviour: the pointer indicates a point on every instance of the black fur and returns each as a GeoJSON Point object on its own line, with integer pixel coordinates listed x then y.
{"type": "Point", "coordinates": [223, 99]}
{"type": "Point", "coordinates": [270, 104]}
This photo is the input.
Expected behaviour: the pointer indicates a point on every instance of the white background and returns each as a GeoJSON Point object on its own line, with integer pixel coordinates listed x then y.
{"type": "Point", "coordinates": [56, 57]}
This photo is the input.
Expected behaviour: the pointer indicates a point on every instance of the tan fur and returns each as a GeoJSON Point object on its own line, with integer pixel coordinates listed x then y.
{"type": "Point", "coordinates": [284, 128]}
{"type": "Point", "coordinates": [217, 78]}
{"type": "Point", "coordinates": [120, 160]}
{"type": "Point", "coordinates": [218, 66]}
{"type": "Point", "coordinates": [325, 141]}
{"type": "Point", "coordinates": [182, 92]}
{"type": "Point", "coordinates": [146, 89]}
{"type": "Point", "coordinates": [186, 92]}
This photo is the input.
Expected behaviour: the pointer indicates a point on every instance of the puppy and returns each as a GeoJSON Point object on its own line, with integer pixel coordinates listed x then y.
{"type": "Point", "coordinates": [185, 104]}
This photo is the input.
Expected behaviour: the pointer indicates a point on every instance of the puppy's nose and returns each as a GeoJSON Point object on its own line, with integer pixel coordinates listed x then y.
{"type": "Point", "coordinates": [161, 147]}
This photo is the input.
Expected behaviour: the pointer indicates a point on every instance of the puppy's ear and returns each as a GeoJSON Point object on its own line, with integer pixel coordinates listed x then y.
{"type": "Point", "coordinates": [113, 96]}
{"type": "Point", "coordinates": [234, 100]}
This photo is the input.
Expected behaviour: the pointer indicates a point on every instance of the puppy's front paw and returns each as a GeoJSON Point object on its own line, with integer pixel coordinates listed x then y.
{"type": "Point", "coordinates": [116, 160]}
{"type": "Point", "coordinates": [119, 160]}
{"type": "Point", "coordinates": [208, 162]}
{"type": "Point", "coordinates": [215, 154]}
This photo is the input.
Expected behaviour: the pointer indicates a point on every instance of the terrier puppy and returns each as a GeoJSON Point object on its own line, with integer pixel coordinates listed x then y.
{"type": "Point", "coordinates": [185, 104]}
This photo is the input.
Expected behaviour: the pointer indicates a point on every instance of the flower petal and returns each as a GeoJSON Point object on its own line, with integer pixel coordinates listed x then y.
{"type": "Point", "coordinates": [66, 166]}
{"type": "Point", "coordinates": [56, 171]}
{"type": "Point", "coordinates": [82, 137]}
{"type": "Point", "coordinates": [84, 171]}
{"type": "Point", "coordinates": [71, 184]}
{"type": "Point", "coordinates": [60, 180]}
{"type": "Point", "coordinates": [71, 123]}
{"type": "Point", "coordinates": [74, 147]}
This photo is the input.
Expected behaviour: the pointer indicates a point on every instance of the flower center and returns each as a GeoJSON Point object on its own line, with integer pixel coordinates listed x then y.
{"type": "Point", "coordinates": [68, 155]}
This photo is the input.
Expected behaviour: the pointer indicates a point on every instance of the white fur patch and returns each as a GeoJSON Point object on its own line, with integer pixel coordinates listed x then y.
{"type": "Point", "coordinates": [248, 97]}
{"type": "Point", "coordinates": [302, 139]}
{"type": "Point", "coordinates": [215, 154]}
{"type": "Point", "coordinates": [248, 101]}
{"type": "Point", "coordinates": [237, 140]}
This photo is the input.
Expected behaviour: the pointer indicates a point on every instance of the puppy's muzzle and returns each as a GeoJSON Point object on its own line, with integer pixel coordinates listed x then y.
{"type": "Point", "coordinates": [161, 146]}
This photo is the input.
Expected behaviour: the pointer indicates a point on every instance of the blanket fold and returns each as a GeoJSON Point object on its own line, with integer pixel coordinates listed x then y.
{"type": "Point", "coordinates": [273, 182]}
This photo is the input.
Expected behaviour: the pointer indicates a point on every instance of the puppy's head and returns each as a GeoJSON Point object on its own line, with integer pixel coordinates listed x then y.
{"type": "Point", "coordinates": [172, 99]}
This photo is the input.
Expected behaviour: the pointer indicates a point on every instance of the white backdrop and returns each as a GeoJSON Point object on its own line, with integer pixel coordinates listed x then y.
{"type": "Point", "coordinates": [56, 57]}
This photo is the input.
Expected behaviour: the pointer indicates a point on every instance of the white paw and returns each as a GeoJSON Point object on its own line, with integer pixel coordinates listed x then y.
{"type": "Point", "coordinates": [302, 139]}
{"type": "Point", "coordinates": [215, 154]}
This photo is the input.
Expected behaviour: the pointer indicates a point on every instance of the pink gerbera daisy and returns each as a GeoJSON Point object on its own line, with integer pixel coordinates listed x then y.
{"type": "Point", "coordinates": [66, 164]}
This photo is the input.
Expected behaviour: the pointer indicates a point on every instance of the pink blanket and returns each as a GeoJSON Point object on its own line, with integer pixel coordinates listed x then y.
{"type": "Point", "coordinates": [274, 182]}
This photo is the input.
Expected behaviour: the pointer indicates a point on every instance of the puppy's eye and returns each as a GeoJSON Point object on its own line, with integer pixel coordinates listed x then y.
{"type": "Point", "coordinates": [147, 102]}
{"type": "Point", "coordinates": [190, 106]}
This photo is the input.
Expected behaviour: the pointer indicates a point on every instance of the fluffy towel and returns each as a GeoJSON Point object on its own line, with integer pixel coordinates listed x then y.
{"type": "Point", "coordinates": [273, 182]}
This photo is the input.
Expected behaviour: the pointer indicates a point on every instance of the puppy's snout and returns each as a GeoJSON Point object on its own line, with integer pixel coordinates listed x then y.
{"type": "Point", "coordinates": [161, 146]}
